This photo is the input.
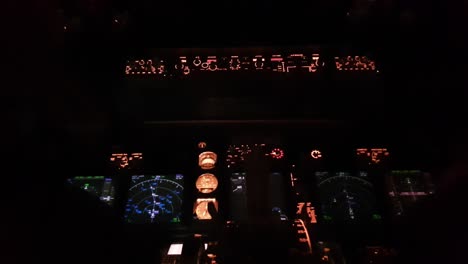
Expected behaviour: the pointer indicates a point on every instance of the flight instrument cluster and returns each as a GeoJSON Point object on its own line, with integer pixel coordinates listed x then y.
{"type": "Point", "coordinates": [260, 184]}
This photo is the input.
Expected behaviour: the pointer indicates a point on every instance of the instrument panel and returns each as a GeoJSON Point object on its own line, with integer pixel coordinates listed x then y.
{"type": "Point", "coordinates": [280, 63]}
{"type": "Point", "coordinates": [189, 65]}
{"type": "Point", "coordinates": [328, 195]}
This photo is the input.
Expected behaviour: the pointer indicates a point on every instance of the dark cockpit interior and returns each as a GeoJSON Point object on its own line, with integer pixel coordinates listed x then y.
{"type": "Point", "coordinates": [323, 132]}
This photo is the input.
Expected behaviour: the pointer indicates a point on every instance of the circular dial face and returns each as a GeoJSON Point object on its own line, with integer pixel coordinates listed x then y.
{"type": "Point", "coordinates": [277, 153]}
{"type": "Point", "coordinates": [202, 145]}
{"type": "Point", "coordinates": [206, 183]}
{"type": "Point", "coordinates": [155, 199]}
{"type": "Point", "coordinates": [207, 160]}
{"type": "Point", "coordinates": [202, 211]}
{"type": "Point", "coordinates": [346, 198]}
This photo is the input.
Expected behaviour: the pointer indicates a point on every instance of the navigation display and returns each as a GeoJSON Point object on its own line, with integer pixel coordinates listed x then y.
{"type": "Point", "coordinates": [98, 186]}
{"type": "Point", "coordinates": [345, 197]}
{"type": "Point", "coordinates": [155, 199]}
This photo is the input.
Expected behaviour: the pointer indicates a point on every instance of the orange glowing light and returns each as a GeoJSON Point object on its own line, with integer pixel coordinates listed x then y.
{"type": "Point", "coordinates": [121, 158]}
{"type": "Point", "coordinates": [207, 160]}
{"type": "Point", "coordinates": [305, 239]}
{"type": "Point", "coordinates": [201, 208]}
{"type": "Point", "coordinates": [375, 154]}
{"type": "Point", "coordinates": [310, 211]}
{"type": "Point", "coordinates": [311, 214]}
{"type": "Point", "coordinates": [206, 183]}
{"type": "Point", "coordinates": [277, 153]}
{"type": "Point", "coordinates": [316, 154]}
{"type": "Point", "coordinates": [202, 145]}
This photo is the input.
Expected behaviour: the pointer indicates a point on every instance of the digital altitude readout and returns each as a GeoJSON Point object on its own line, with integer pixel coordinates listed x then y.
{"type": "Point", "coordinates": [155, 199]}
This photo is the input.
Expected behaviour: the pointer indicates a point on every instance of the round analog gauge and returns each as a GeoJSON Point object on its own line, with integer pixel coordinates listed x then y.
{"type": "Point", "coordinates": [277, 153]}
{"type": "Point", "coordinates": [207, 160]}
{"type": "Point", "coordinates": [201, 208]}
{"type": "Point", "coordinates": [206, 183]}
{"type": "Point", "coordinates": [202, 211]}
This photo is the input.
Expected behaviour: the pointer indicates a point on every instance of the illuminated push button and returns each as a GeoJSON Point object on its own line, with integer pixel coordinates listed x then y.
{"type": "Point", "coordinates": [207, 160]}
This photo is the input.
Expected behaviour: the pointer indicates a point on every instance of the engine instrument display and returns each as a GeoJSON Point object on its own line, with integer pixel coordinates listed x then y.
{"type": "Point", "coordinates": [345, 197]}
{"type": "Point", "coordinates": [207, 183]}
{"type": "Point", "coordinates": [201, 208]}
{"type": "Point", "coordinates": [155, 199]}
{"type": "Point", "coordinates": [207, 160]}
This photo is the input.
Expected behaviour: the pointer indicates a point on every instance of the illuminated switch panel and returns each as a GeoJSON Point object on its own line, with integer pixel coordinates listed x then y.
{"type": "Point", "coordinates": [126, 161]}
{"type": "Point", "coordinates": [146, 67]}
{"type": "Point", "coordinates": [302, 63]}
{"type": "Point", "coordinates": [188, 65]}
{"type": "Point", "coordinates": [354, 63]}
{"type": "Point", "coordinates": [236, 154]}
{"type": "Point", "coordinates": [372, 156]}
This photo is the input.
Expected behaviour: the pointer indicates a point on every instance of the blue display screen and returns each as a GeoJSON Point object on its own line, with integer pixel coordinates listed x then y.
{"type": "Point", "coordinates": [155, 199]}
